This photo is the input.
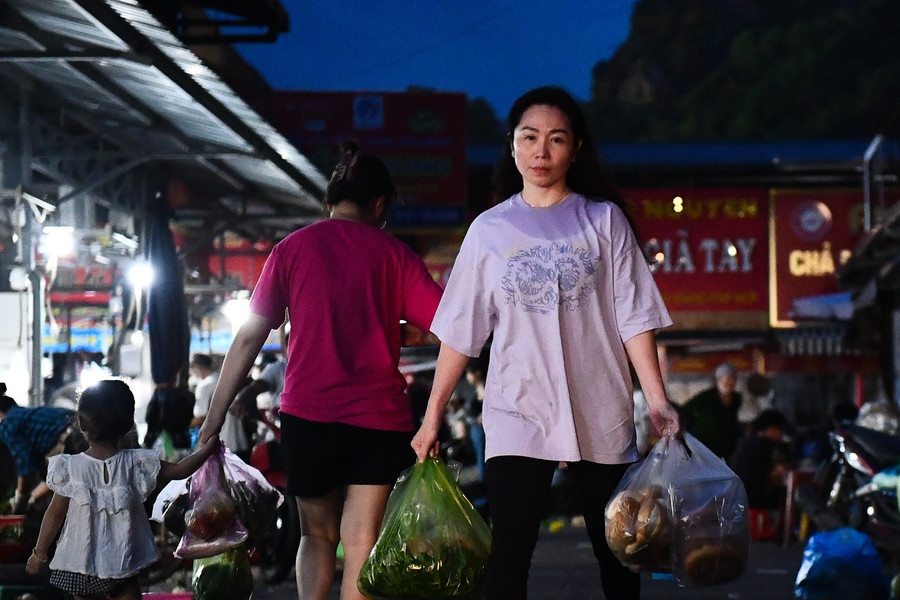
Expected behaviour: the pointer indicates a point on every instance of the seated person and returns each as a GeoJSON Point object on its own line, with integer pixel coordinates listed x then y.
{"type": "Point", "coordinates": [763, 459]}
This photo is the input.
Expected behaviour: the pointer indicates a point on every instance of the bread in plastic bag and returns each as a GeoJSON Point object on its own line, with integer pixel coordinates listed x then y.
{"type": "Point", "coordinates": [638, 520]}
{"type": "Point", "coordinates": [433, 543]}
{"type": "Point", "coordinates": [710, 515]}
{"type": "Point", "coordinates": [681, 510]}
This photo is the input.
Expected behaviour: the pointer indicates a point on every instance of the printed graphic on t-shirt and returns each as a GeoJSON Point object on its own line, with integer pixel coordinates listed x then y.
{"type": "Point", "coordinates": [544, 278]}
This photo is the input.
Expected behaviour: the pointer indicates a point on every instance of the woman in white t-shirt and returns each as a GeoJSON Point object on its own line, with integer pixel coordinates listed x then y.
{"type": "Point", "coordinates": [555, 274]}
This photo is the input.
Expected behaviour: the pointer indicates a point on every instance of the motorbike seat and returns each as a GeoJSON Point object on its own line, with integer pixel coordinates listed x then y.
{"type": "Point", "coordinates": [882, 449]}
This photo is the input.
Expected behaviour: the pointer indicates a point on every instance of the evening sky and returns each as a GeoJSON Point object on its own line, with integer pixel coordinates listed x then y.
{"type": "Point", "coordinates": [490, 49]}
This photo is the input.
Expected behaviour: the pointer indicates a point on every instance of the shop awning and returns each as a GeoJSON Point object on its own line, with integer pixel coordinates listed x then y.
{"type": "Point", "coordinates": [875, 263]}
{"type": "Point", "coordinates": [109, 89]}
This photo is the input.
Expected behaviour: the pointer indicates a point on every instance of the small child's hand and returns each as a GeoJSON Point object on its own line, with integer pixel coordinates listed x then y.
{"type": "Point", "coordinates": [34, 564]}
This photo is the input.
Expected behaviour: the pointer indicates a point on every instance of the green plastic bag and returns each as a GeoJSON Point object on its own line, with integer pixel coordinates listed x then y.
{"type": "Point", "coordinates": [433, 543]}
{"type": "Point", "coordinates": [225, 576]}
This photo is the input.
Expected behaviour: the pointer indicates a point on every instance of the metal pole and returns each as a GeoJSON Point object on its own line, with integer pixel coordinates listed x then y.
{"type": "Point", "coordinates": [868, 157]}
{"type": "Point", "coordinates": [31, 231]}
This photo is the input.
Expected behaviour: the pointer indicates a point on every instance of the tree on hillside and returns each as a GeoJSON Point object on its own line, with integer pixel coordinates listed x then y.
{"type": "Point", "coordinates": [712, 70]}
{"type": "Point", "coordinates": [482, 124]}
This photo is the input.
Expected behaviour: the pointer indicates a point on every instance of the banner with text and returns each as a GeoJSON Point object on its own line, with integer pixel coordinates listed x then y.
{"type": "Point", "coordinates": [707, 250]}
{"type": "Point", "coordinates": [812, 233]}
{"type": "Point", "coordinates": [421, 136]}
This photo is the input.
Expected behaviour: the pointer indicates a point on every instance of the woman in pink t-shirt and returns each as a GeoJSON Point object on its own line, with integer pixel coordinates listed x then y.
{"type": "Point", "coordinates": [554, 276]}
{"type": "Point", "coordinates": [345, 417]}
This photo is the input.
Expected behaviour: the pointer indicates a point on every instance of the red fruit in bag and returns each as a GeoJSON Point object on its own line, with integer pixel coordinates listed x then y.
{"type": "Point", "coordinates": [212, 519]}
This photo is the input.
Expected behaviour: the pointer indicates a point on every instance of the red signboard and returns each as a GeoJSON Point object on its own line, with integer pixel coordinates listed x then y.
{"type": "Point", "coordinates": [242, 261]}
{"type": "Point", "coordinates": [707, 249]}
{"type": "Point", "coordinates": [420, 135]}
{"type": "Point", "coordinates": [812, 233]}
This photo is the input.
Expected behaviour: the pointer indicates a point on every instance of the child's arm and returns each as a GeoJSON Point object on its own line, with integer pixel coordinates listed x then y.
{"type": "Point", "coordinates": [185, 467]}
{"type": "Point", "coordinates": [50, 526]}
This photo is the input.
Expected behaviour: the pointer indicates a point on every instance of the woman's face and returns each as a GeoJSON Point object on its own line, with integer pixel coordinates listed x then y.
{"type": "Point", "coordinates": [544, 146]}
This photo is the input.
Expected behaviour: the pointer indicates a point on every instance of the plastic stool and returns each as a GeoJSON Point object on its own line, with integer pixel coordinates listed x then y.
{"type": "Point", "coordinates": [762, 525]}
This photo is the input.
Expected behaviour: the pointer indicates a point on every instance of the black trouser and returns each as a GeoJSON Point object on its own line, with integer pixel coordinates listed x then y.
{"type": "Point", "coordinates": [518, 490]}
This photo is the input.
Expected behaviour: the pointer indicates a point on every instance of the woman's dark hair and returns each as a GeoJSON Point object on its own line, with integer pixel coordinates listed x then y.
{"type": "Point", "coordinates": [359, 177]}
{"type": "Point", "coordinates": [108, 410]}
{"type": "Point", "coordinates": [6, 403]}
{"type": "Point", "coordinates": [585, 176]}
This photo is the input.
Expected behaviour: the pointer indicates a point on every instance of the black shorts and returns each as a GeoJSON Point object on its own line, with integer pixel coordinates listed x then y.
{"type": "Point", "coordinates": [321, 457]}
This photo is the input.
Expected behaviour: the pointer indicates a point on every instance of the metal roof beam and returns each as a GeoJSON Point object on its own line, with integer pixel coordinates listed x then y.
{"type": "Point", "coordinates": [86, 55]}
{"type": "Point", "coordinates": [73, 161]}
{"type": "Point", "coordinates": [110, 19]}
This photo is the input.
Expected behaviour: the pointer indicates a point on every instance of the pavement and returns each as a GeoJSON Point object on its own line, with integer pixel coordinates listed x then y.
{"type": "Point", "coordinates": [564, 568]}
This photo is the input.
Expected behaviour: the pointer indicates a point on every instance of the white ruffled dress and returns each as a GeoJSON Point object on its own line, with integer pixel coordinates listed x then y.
{"type": "Point", "coordinates": [107, 532]}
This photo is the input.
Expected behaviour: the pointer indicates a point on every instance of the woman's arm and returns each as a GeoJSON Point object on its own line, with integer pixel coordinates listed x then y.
{"type": "Point", "coordinates": [186, 467]}
{"type": "Point", "coordinates": [450, 367]}
{"type": "Point", "coordinates": [52, 522]}
{"type": "Point", "coordinates": [642, 353]}
{"type": "Point", "coordinates": [247, 343]}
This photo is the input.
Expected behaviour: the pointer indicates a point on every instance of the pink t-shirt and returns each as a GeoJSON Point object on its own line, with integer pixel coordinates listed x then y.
{"type": "Point", "coordinates": [346, 285]}
{"type": "Point", "coordinates": [561, 288]}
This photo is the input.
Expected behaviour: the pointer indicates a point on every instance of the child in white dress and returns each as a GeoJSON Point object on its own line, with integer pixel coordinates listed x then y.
{"type": "Point", "coordinates": [98, 501]}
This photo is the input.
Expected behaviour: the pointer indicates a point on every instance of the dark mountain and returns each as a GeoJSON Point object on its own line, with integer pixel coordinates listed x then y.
{"type": "Point", "coordinates": [751, 70]}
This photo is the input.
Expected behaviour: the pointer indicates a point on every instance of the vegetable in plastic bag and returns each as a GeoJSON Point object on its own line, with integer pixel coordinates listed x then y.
{"type": "Point", "coordinates": [256, 500]}
{"type": "Point", "coordinates": [212, 524]}
{"type": "Point", "coordinates": [226, 576]}
{"type": "Point", "coordinates": [174, 512]}
{"type": "Point", "coordinates": [432, 544]}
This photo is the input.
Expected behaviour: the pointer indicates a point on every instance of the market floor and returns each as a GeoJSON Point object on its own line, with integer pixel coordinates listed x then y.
{"type": "Point", "coordinates": [564, 569]}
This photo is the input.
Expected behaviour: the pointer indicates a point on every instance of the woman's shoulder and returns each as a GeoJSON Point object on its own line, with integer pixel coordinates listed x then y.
{"type": "Point", "coordinates": [601, 207]}
{"type": "Point", "coordinates": [493, 215]}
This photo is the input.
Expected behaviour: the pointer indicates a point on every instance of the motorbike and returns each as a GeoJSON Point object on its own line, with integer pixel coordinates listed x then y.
{"type": "Point", "coordinates": [849, 488]}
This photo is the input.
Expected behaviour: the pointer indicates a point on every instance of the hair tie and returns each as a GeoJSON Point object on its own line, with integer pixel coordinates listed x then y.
{"type": "Point", "coordinates": [344, 169]}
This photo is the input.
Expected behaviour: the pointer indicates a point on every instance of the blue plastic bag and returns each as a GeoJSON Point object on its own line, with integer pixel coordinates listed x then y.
{"type": "Point", "coordinates": [841, 565]}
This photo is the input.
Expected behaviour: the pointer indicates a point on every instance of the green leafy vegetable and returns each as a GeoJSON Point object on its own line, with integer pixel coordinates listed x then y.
{"type": "Point", "coordinates": [226, 576]}
{"type": "Point", "coordinates": [257, 509]}
{"type": "Point", "coordinates": [433, 543]}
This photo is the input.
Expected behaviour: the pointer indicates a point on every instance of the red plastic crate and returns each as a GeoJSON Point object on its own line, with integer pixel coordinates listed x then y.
{"type": "Point", "coordinates": [12, 551]}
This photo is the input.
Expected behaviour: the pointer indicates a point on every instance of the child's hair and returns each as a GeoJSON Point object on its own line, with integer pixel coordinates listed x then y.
{"type": "Point", "coordinates": [107, 410]}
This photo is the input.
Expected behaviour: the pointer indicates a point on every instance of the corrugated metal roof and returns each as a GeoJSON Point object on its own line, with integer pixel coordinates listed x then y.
{"type": "Point", "coordinates": [120, 66]}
